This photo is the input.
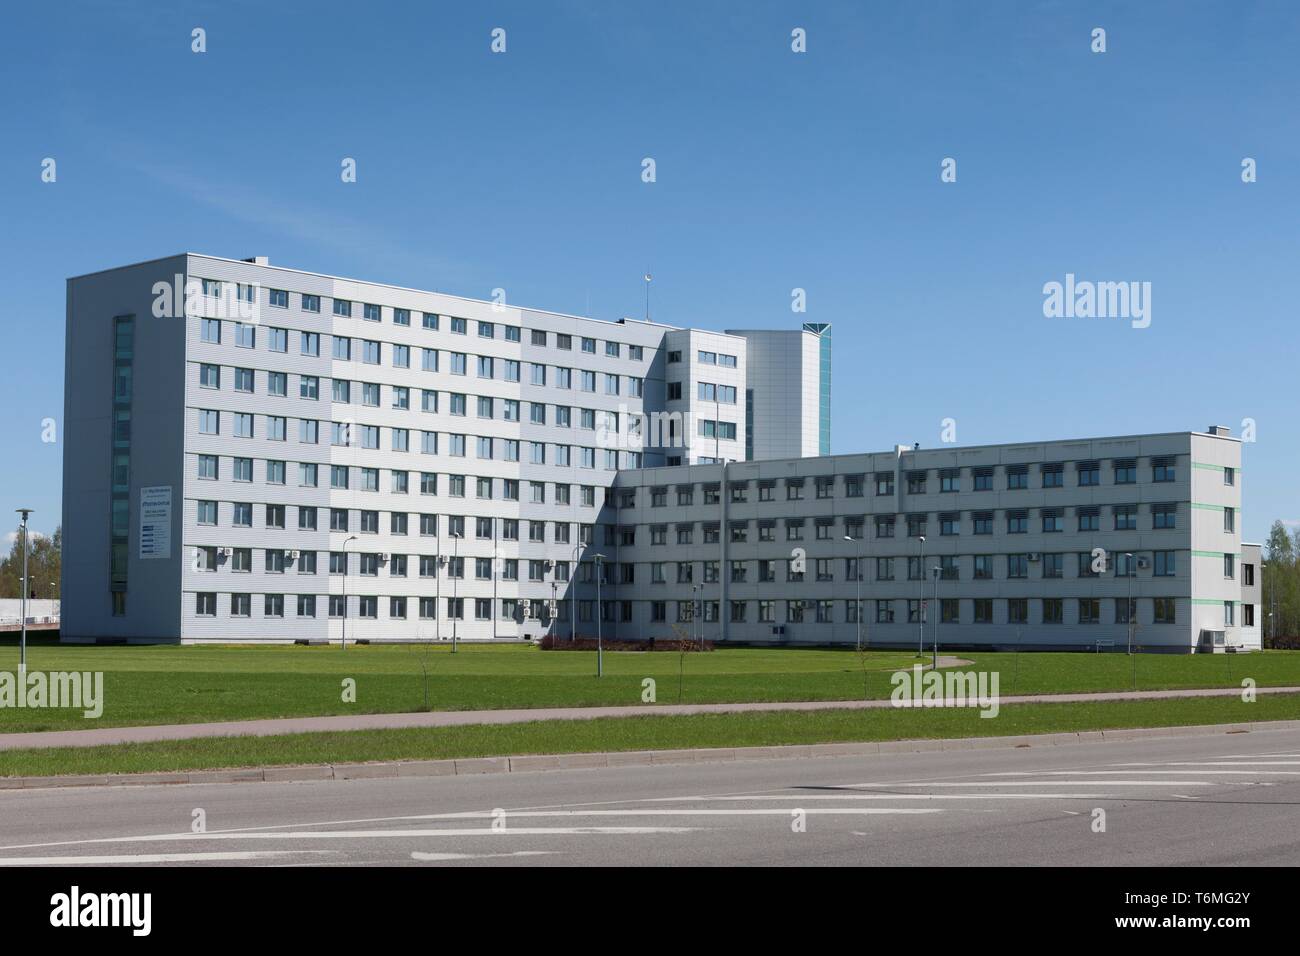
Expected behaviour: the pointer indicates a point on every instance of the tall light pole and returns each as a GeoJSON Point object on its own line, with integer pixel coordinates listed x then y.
{"type": "Point", "coordinates": [935, 571]}
{"type": "Point", "coordinates": [455, 585]}
{"type": "Point", "coordinates": [439, 562]}
{"type": "Point", "coordinates": [858, 576]}
{"type": "Point", "coordinates": [920, 603]}
{"type": "Point", "coordinates": [648, 277]}
{"type": "Point", "coordinates": [352, 537]}
{"type": "Point", "coordinates": [697, 611]}
{"type": "Point", "coordinates": [600, 651]}
{"type": "Point", "coordinates": [1128, 610]}
{"type": "Point", "coordinates": [574, 578]}
{"type": "Point", "coordinates": [22, 641]}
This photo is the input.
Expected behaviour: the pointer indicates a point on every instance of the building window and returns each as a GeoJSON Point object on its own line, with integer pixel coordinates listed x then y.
{"type": "Point", "coordinates": [1164, 516]}
{"type": "Point", "coordinates": [1164, 610]}
{"type": "Point", "coordinates": [1125, 517]}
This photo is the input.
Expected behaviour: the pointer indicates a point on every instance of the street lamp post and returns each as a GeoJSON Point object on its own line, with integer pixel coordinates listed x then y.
{"type": "Point", "coordinates": [697, 611]}
{"type": "Point", "coordinates": [439, 562]}
{"type": "Point", "coordinates": [345, 589]}
{"type": "Point", "coordinates": [935, 571]}
{"type": "Point", "coordinates": [574, 577]}
{"type": "Point", "coordinates": [858, 576]}
{"type": "Point", "coordinates": [22, 641]}
{"type": "Point", "coordinates": [600, 651]}
{"type": "Point", "coordinates": [455, 586]}
{"type": "Point", "coordinates": [1128, 610]}
{"type": "Point", "coordinates": [920, 603]}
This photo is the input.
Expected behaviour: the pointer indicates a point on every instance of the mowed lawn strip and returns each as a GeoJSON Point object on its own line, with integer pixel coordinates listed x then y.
{"type": "Point", "coordinates": [639, 733]}
{"type": "Point", "coordinates": [173, 684]}
{"type": "Point", "coordinates": [162, 685]}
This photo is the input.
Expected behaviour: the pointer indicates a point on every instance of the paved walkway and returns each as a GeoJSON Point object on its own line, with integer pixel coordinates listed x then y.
{"type": "Point", "coordinates": [460, 718]}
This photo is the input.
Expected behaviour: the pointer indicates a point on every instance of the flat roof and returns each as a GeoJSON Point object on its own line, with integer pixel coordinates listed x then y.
{"type": "Point", "coordinates": [624, 320]}
{"type": "Point", "coordinates": [946, 448]}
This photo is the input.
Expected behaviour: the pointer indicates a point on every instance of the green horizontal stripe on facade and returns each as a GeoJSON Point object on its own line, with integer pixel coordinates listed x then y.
{"type": "Point", "coordinates": [1208, 507]}
{"type": "Point", "coordinates": [1208, 467]}
{"type": "Point", "coordinates": [1212, 601]}
{"type": "Point", "coordinates": [1215, 554]}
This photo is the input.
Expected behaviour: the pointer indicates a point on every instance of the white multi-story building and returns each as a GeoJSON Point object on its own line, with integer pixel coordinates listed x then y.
{"type": "Point", "coordinates": [787, 392]}
{"type": "Point", "coordinates": [1040, 545]}
{"type": "Point", "coordinates": [265, 454]}
{"type": "Point", "coordinates": [238, 434]}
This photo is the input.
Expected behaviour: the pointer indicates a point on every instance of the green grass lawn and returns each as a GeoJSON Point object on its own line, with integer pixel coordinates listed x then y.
{"type": "Point", "coordinates": [173, 684]}
{"type": "Point", "coordinates": [638, 733]}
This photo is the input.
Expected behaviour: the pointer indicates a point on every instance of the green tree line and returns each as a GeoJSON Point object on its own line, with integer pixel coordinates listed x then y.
{"type": "Point", "coordinates": [44, 565]}
{"type": "Point", "coordinates": [1281, 587]}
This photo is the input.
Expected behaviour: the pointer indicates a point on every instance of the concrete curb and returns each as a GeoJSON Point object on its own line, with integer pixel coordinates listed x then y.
{"type": "Point", "coordinates": [145, 733]}
{"type": "Point", "coordinates": [540, 763]}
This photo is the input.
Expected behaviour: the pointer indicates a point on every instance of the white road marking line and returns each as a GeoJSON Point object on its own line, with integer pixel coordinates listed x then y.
{"type": "Point", "coordinates": [1248, 756]}
{"type": "Point", "coordinates": [1216, 763]}
{"type": "Point", "coordinates": [188, 837]}
{"type": "Point", "coordinates": [737, 812]}
{"type": "Point", "coordinates": [210, 857]}
{"type": "Point", "coordinates": [1056, 783]}
{"type": "Point", "coordinates": [916, 796]}
{"type": "Point", "coordinates": [1101, 773]}
{"type": "Point", "coordinates": [441, 857]}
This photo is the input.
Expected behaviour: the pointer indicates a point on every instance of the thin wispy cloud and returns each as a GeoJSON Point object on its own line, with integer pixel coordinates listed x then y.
{"type": "Point", "coordinates": [301, 222]}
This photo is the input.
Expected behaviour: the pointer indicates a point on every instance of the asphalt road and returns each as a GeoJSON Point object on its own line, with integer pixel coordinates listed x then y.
{"type": "Point", "coordinates": [1216, 800]}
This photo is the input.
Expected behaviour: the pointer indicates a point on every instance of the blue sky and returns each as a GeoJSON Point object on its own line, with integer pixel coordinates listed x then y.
{"type": "Point", "coordinates": [775, 170]}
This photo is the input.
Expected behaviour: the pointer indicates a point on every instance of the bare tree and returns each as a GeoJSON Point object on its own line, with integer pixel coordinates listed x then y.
{"type": "Point", "coordinates": [684, 644]}
{"type": "Point", "coordinates": [424, 651]}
